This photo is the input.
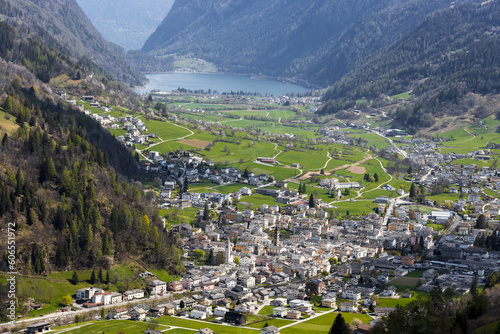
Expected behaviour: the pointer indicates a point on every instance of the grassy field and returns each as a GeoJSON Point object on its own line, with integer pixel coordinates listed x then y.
{"type": "Point", "coordinates": [9, 125]}
{"type": "Point", "coordinates": [488, 329]}
{"type": "Point", "coordinates": [255, 201]}
{"type": "Point", "coordinates": [165, 130]}
{"type": "Point", "coordinates": [50, 290]}
{"type": "Point", "coordinates": [405, 95]}
{"type": "Point", "coordinates": [231, 188]}
{"type": "Point", "coordinates": [266, 310]}
{"type": "Point", "coordinates": [177, 216]}
{"type": "Point", "coordinates": [403, 283]}
{"type": "Point", "coordinates": [308, 159]}
{"type": "Point", "coordinates": [322, 324]}
{"type": "Point", "coordinates": [106, 326]}
{"type": "Point", "coordinates": [389, 302]}
{"type": "Point", "coordinates": [420, 208]}
{"type": "Point", "coordinates": [415, 273]}
{"type": "Point", "coordinates": [436, 227]}
{"type": "Point", "coordinates": [271, 322]}
{"type": "Point", "coordinates": [187, 323]}
{"type": "Point", "coordinates": [355, 208]}
{"type": "Point", "coordinates": [373, 139]}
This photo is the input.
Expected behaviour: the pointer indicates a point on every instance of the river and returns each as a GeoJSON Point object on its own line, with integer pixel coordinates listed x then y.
{"type": "Point", "coordinates": [219, 82]}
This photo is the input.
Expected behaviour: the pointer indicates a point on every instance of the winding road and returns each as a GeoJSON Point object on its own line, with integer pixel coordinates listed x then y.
{"type": "Point", "coordinates": [165, 140]}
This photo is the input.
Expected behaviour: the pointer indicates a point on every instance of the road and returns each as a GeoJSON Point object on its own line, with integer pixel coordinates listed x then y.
{"type": "Point", "coordinates": [56, 315]}
{"type": "Point", "coordinates": [360, 193]}
{"type": "Point", "coordinates": [165, 140]}
{"type": "Point", "coordinates": [400, 151]}
{"type": "Point", "coordinates": [426, 175]}
{"type": "Point", "coordinates": [451, 228]}
{"type": "Point", "coordinates": [276, 148]}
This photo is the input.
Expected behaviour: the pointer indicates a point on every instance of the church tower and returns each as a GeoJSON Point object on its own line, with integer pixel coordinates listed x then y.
{"type": "Point", "coordinates": [229, 257]}
{"type": "Point", "coordinates": [276, 236]}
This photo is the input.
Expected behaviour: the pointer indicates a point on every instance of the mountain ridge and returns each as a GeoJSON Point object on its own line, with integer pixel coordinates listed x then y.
{"type": "Point", "coordinates": [64, 25]}
{"type": "Point", "coordinates": [318, 41]}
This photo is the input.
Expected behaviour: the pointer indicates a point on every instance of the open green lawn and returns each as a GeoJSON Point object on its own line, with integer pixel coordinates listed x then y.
{"type": "Point", "coordinates": [178, 331]}
{"type": "Point", "coordinates": [164, 275]}
{"type": "Point", "coordinates": [9, 125]}
{"type": "Point", "coordinates": [308, 159]}
{"type": "Point", "coordinates": [415, 273]}
{"type": "Point", "coordinates": [488, 329]}
{"type": "Point", "coordinates": [187, 323]}
{"type": "Point", "coordinates": [441, 198]}
{"type": "Point", "coordinates": [403, 283]}
{"type": "Point", "coordinates": [276, 322]}
{"type": "Point", "coordinates": [165, 130]}
{"type": "Point", "coordinates": [389, 302]}
{"type": "Point", "coordinates": [206, 106]}
{"type": "Point", "coordinates": [279, 173]}
{"type": "Point", "coordinates": [50, 290]}
{"type": "Point", "coordinates": [322, 324]}
{"type": "Point", "coordinates": [373, 139]}
{"type": "Point", "coordinates": [255, 201]}
{"type": "Point", "coordinates": [405, 95]}
{"type": "Point", "coordinates": [231, 188]}
{"type": "Point", "coordinates": [106, 326]}
{"type": "Point", "coordinates": [436, 227]}
{"type": "Point", "coordinates": [266, 310]}
{"type": "Point", "coordinates": [178, 216]}
{"type": "Point", "coordinates": [355, 208]}
{"type": "Point", "coordinates": [421, 208]}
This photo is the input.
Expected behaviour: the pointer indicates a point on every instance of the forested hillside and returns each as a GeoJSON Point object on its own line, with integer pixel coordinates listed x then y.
{"type": "Point", "coordinates": [63, 26]}
{"type": "Point", "coordinates": [64, 180]}
{"type": "Point", "coordinates": [318, 41]}
{"type": "Point", "coordinates": [441, 311]}
{"type": "Point", "coordinates": [452, 53]}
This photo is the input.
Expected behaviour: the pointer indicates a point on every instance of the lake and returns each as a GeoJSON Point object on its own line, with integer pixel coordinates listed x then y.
{"type": "Point", "coordinates": [217, 81]}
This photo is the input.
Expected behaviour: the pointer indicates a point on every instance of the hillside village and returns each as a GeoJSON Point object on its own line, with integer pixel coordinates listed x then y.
{"type": "Point", "coordinates": [295, 255]}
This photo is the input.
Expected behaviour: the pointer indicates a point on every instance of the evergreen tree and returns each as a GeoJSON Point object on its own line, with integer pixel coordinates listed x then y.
{"type": "Point", "coordinates": [245, 173]}
{"type": "Point", "coordinates": [75, 278]}
{"type": "Point", "coordinates": [210, 257]}
{"type": "Point", "coordinates": [412, 191]}
{"type": "Point", "coordinates": [206, 212]}
{"type": "Point", "coordinates": [5, 140]}
{"type": "Point", "coordinates": [92, 277]}
{"type": "Point", "coordinates": [7, 105]}
{"type": "Point", "coordinates": [100, 276]}
{"type": "Point", "coordinates": [185, 185]}
{"type": "Point", "coordinates": [339, 326]}
{"type": "Point", "coordinates": [106, 247]}
{"type": "Point", "coordinates": [19, 182]}
{"type": "Point", "coordinates": [107, 277]}
{"type": "Point", "coordinates": [182, 305]}
{"type": "Point", "coordinates": [312, 202]}
{"type": "Point", "coordinates": [481, 222]}
{"type": "Point", "coordinates": [375, 176]}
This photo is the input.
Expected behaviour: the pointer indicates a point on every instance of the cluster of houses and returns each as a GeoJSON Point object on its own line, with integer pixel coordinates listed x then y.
{"type": "Point", "coordinates": [94, 297]}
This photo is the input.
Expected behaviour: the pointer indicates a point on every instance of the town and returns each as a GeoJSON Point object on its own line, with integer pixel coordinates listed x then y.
{"type": "Point", "coordinates": [295, 256]}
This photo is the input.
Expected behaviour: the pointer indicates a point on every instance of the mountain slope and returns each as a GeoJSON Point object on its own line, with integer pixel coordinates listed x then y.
{"type": "Point", "coordinates": [127, 23]}
{"type": "Point", "coordinates": [63, 177]}
{"type": "Point", "coordinates": [315, 40]}
{"type": "Point", "coordinates": [63, 25]}
{"type": "Point", "coordinates": [454, 52]}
